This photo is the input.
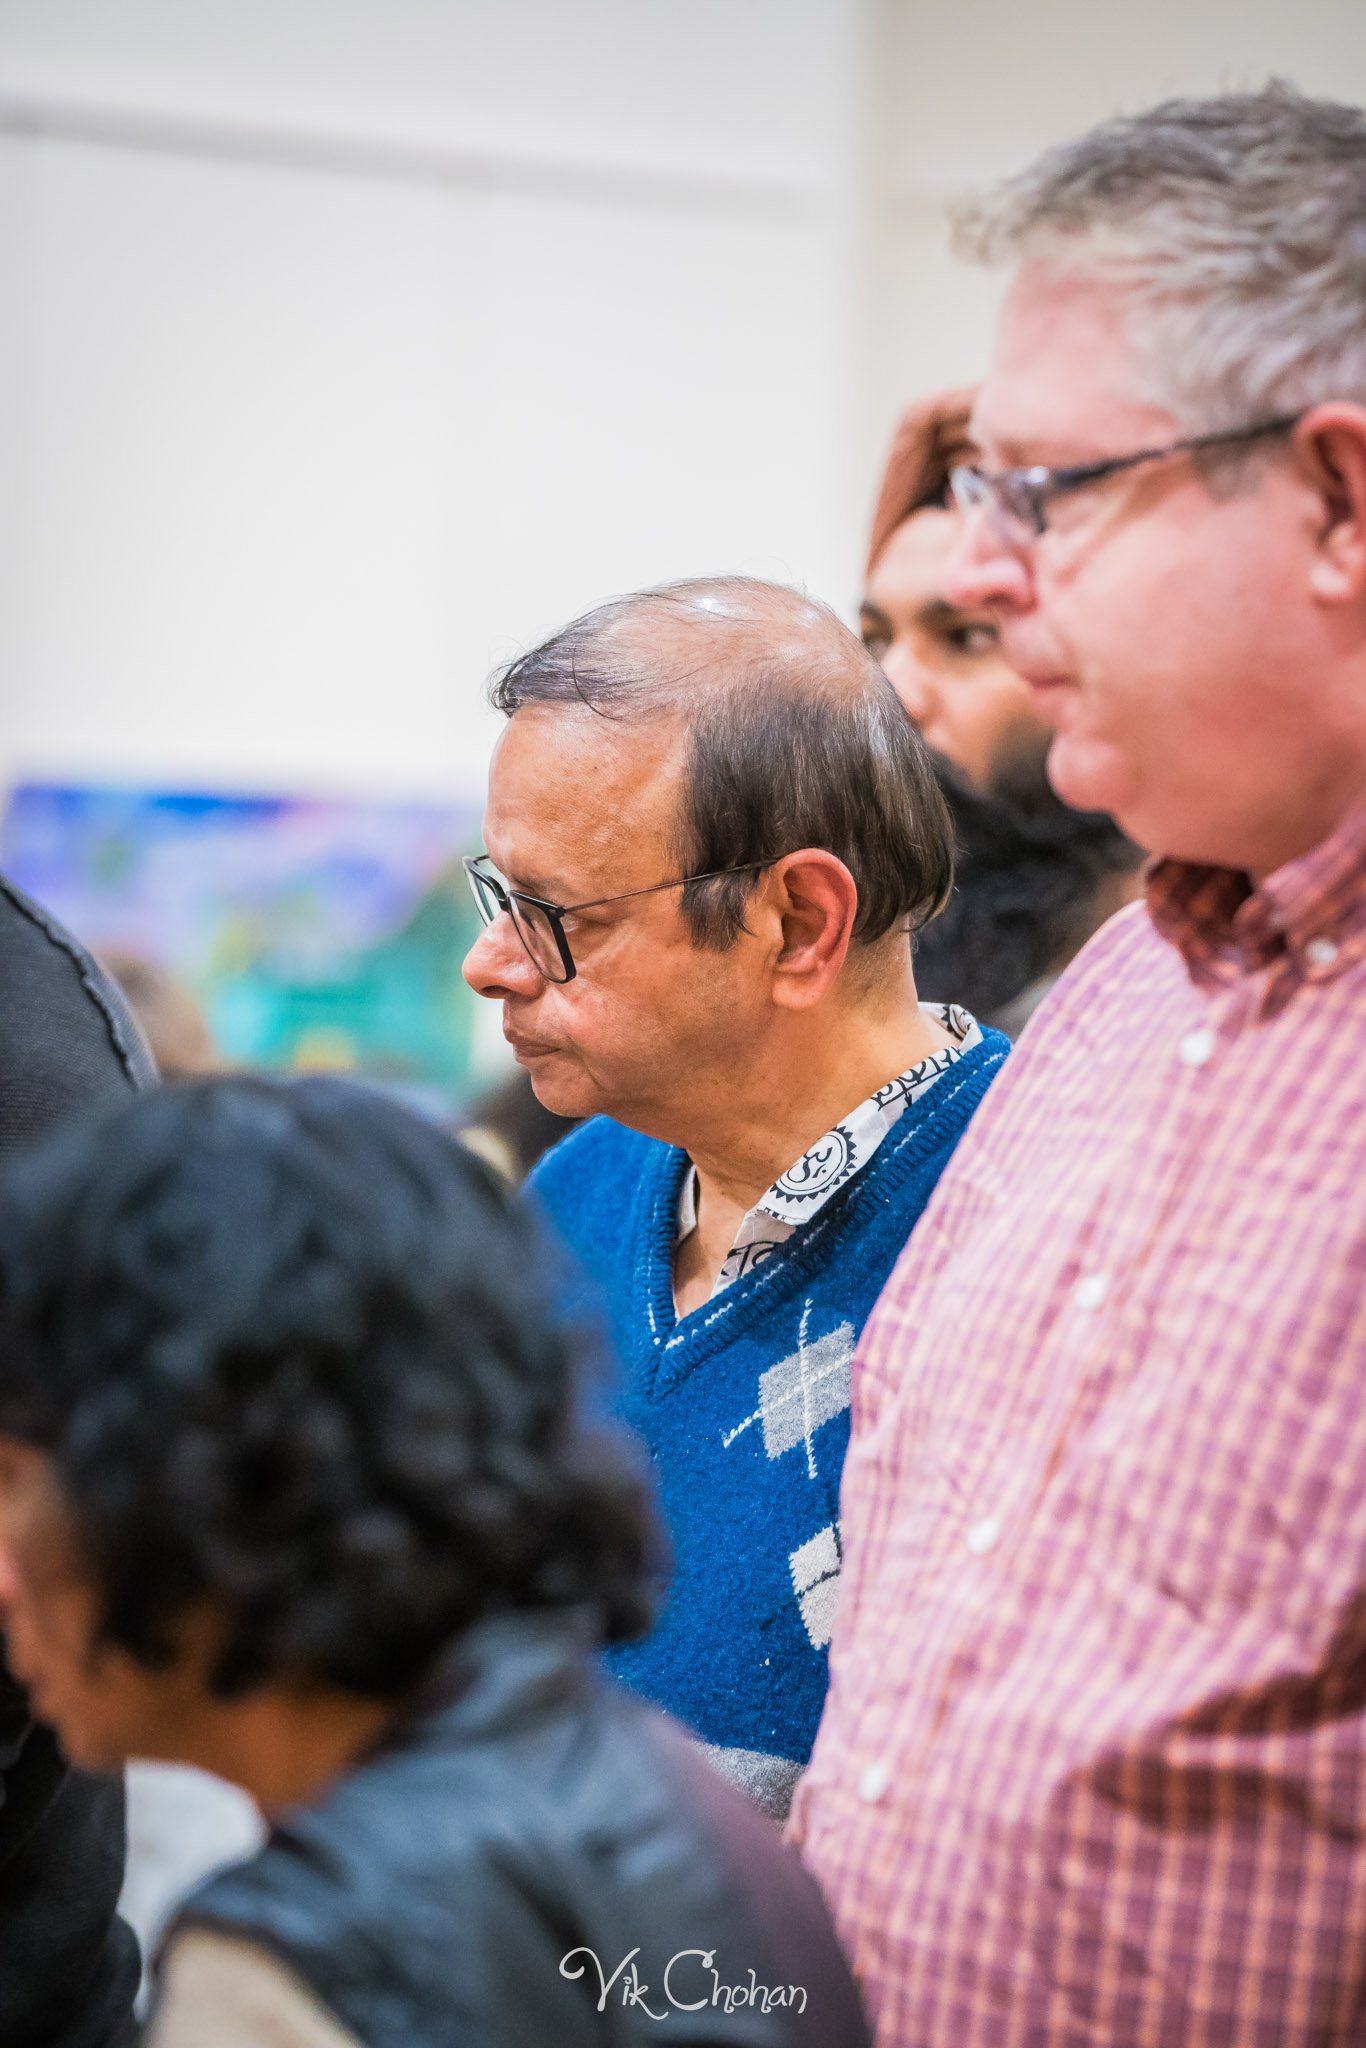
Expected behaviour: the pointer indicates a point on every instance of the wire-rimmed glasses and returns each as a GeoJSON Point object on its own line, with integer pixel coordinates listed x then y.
{"type": "Point", "coordinates": [1016, 500]}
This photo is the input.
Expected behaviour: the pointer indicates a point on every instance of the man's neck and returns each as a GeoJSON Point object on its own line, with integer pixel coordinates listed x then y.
{"type": "Point", "coordinates": [791, 1096]}
{"type": "Point", "coordinates": [284, 1745]}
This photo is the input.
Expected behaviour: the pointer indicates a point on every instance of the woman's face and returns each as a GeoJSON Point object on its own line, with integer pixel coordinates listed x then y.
{"type": "Point", "coordinates": [104, 1705]}
{"type": "Point", "coordinates": [944, 663]}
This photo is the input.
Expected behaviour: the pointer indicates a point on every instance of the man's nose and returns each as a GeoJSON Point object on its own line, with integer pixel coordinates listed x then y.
{"type": "Point", "coordinates": [499, 965]}
{"type": "Point", "coordinates": [913, 682]}
{"type": "Point", "coordinates": [985, 570]}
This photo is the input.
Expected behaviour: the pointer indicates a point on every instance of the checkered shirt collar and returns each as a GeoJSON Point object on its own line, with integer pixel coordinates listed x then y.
{"type": "Point", "coordinates": [1224, 927]}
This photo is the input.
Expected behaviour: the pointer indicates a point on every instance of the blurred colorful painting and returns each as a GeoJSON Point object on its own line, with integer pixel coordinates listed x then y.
{"type": "Point", "coordinates": [314, 932]}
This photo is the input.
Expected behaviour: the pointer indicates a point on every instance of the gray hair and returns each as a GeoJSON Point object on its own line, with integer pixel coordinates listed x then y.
{"type": "Point", "coordinates": [794, 738]}
{"type": "Point", "coordinates": [1238, 225]}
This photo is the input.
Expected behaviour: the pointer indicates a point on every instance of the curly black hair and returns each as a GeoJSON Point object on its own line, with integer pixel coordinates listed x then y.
{"type": "Point", "coordinates": [295, 1355]}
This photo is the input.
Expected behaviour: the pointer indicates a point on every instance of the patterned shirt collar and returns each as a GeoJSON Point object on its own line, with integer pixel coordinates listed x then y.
{"type": "Point", "coordinates": [803, 1189]}
{"type": "Point", "coordinates": [1309, 917]}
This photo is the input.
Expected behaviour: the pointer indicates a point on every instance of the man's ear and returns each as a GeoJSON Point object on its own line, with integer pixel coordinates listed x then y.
{"type": "Point", "coordinates": [1331, 442]}
{"type": "Point", "coordinates": [815, 899]}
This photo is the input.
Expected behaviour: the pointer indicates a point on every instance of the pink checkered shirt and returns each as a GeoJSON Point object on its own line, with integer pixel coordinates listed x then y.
{"type": "Point", "coordinates": [1093, 1765]}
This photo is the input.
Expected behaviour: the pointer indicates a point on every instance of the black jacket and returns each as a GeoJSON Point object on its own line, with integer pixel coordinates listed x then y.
{"type": "Point", "coordinates": [68, 1966]}
{"type": "Point", "coordinates": [528, 1844]}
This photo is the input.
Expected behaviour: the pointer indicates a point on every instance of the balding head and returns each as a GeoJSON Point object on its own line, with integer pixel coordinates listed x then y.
{"type": "Point", "coordinates": [650, 654]}
{"type": "Point", "coordinates": [792, 737]}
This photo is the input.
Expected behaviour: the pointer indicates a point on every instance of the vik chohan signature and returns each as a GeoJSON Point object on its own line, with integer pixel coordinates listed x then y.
{"type": "Point", "coordinates": [691, 1982]}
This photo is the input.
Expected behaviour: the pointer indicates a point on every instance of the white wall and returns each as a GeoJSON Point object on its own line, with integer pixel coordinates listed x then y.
{"type": "Point", "coordinates": [352, 345]}
{"type": "Point", "coordinates": [347, 345]}
{"type": "Point", "coordinates": [967, 93]}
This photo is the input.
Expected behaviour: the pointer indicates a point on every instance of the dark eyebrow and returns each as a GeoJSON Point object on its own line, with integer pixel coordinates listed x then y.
{"type": "Point", "coordinates": [938, 611]}
{"type": "Point", "coordinates": [868, 610]}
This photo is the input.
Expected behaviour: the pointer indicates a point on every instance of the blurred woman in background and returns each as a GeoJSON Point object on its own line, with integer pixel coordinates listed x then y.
{"type": "Point", "coordinates": [296, 1486]}
{"type": "Point", "coordinates": [1035, 879]}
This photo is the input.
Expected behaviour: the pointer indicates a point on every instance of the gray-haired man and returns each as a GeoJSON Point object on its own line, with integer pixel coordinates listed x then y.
{"type": "Point", "coordinates": [720, 783]}
{"type": "Point", "coordinates": [1094, 1768]}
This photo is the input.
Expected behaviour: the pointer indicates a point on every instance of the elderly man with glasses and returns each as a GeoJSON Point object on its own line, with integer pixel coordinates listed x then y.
{"type": "Point", "coordinates": [1094, 1767]}
{"type": "Point", "coordinates": [711, 830]}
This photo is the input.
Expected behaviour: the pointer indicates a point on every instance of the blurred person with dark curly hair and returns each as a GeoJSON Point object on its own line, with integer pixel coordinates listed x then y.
{"type": "Point", "coordinates": [297, 1484]}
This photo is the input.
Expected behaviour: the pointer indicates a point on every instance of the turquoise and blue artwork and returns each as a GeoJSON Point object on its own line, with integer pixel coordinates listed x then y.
{"type": "Point", "coordinates": [315, 932]}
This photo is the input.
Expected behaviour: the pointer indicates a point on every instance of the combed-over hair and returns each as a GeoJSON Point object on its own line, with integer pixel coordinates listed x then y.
{"type": "Point", "coordinates": [1238, 224]}
{"type": "Point", "coordinates": [297, 1360]}
{"type": "Point", "coordinates": [794, 739]}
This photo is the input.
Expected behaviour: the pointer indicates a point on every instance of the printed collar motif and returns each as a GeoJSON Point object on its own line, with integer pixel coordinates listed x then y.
{"type": "Point", "coordinates": [1310, 915]}
{"type": "Point", "coordinates": [806, 1186]}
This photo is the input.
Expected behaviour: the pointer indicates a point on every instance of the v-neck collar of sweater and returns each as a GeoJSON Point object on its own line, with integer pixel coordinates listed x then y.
{"type": "Point", "coordinates": [679, 1344]}
{"type": "Point", "coordinates": [823, 1167]}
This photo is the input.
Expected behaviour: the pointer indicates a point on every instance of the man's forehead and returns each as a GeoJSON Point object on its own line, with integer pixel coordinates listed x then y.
{"type": "Point", "coordinates": [577, 740]}
{"type": "Point", "coordinates": [1064, 378]}
{"type": "Point", "coordinates": [569, 789]}
{"type": "Point", "coordinates": [915, 560]}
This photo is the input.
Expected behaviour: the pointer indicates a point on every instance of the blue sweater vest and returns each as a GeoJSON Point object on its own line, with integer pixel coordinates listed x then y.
{"type": "Point", "coordinates": [744, 1405]}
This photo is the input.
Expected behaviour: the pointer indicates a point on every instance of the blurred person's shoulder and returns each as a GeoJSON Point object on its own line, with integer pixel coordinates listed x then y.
{"type": "Point", "coordinates": [581, 1821]}
{"type": "Point", "coordinates": [67, 1037]}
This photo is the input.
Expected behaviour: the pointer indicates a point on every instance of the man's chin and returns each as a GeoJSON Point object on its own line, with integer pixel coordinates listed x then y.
{"type": "Point", "coordinates": [557, 1086]}
{"type": "Point", "coordinates": [1085, 775]}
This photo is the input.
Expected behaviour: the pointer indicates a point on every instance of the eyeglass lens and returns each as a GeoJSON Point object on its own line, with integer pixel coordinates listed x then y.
{"type": "Point", "coordinates": [488, 898]}
{"type": "Point", "coordinates": [538, 936]}
{"type": "Point", "coordinates": [534, 927]}
{"type": "Point", "coordinates": [1013, 506]}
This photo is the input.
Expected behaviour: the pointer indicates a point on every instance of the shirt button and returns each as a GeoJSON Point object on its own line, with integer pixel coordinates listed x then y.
{"type": "Point", "coordinates": [873, 1781]}
{"type": "Point", "coordinates": [1091, 1290]}
{"type": "Point", "coordinates": [983, 1536]}
{"type": "Point", "coordinates": [1196, 1048]}
{"type": "Point", "coordinates": [1321, 952]}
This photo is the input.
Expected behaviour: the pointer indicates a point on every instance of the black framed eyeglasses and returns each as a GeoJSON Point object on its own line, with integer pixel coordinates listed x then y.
{"type": "Point", "coordinates": [539, 923]}
{"type": "Point", "coordinates": [1016, 500]}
